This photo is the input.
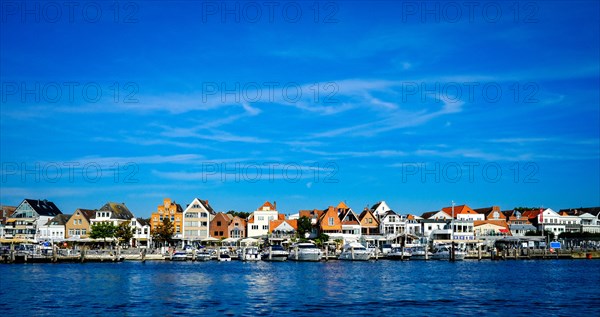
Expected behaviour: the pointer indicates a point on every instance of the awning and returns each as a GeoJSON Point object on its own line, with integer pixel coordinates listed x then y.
{"type": "Point", "coordinates": [504, 230]}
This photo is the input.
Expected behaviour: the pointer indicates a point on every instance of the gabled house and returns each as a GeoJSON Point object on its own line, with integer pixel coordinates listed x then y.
{"type": "Point", "coordinates": [169, 210]}
{"type": "Point", "coordinates": [351, 229]}
{"type": "Point", "coordinates": [491, 213]}
{"type": "Point", "coordinates": [496, 228]}
{"type": "Point", "coordinates": [546, 220]}
{"type": "Point", "coordinates": [283, 228]}
{"type": "Point", "coordinates": [589, 218]}
{"type": "Point", "coordinates": [197, 216]}
{"type": "Point", "coordinates": [380, 208]}
{"type": "Point", "coordinates": [391, 224]}
{"type": "Point", "coordinates": [79, 225]}
{"type": "Point", "coordinates": [436, 215]}
{"type": "Point", "coordinates": [464, 212]}
{"type": "Point", "coordinates": [219, 225]}
{"type": "Point", "coordinates": [5, 213]}
{"type": "Point", "coordinates": [111, 212]}
{"type": "Point", "coordinates": [141, 233]}
{"type": "Point", "coordinates": [237, 228]}
{"type": "Point", "coordinates": [518, 224]}
{"type": "Point", "coordinates": [368, 222]}
{"type": "Point", "coordinates": [54, 229]}
{"type": "Point", "coordinates": [28, 217]}
{"type": "Point", "coordinates": [258, 221]}
{"type": "Point", "coordinates": [330, 223]}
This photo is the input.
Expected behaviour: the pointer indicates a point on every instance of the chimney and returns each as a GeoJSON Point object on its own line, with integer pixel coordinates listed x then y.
{"type": "Point", "coordinates": [275, 204]}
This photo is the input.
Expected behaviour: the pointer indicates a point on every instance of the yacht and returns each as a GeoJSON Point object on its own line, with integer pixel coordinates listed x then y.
{"type": "Point", "coordinates": [275, 253]}
{"type": "Point", "coordinates": [354, 251]}
{"type": "Point", "coordinates": [419, 253]}
{"type": "Point", "coordinates": [223, 255]}
{"type": "Point", "coordinates": [179, 256]}
{"type": "Point", "coordinates": [203, 255]}
{"type": "Point", "coordinates": [305, 251]}
{"type": "Point", "coordinates": [442, 252]}
{"type": "Point", "coordinates": [250, 254]}
{"type": "Point", "coordinates": [397, 254]}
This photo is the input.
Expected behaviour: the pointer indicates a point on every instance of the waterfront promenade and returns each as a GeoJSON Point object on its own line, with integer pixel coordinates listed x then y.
{"type": "Point", "coordinates": [118, 255]}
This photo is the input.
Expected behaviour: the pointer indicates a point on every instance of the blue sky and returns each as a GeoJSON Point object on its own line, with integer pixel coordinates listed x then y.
{"type": "Point", "coordinates": [416, 103]}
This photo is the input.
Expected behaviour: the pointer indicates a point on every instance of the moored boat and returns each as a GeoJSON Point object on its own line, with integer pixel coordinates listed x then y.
{"type": "Point", "coordinates": [305, 251]}
{"type": "Point", "coordinates": [250, 254]}
{"type": "Point", "coordinates": [398, 254]}
{"type": "Point", "coordinates": [443, 251]}
{"type": "Point", "coordinates": [420, 253]}
{"type": "Point", "coordinates": [354, 251]}
{"type": "Point", "coordinates": [179, 256]}
{"type": "Point", "coordinates": [275, 253]}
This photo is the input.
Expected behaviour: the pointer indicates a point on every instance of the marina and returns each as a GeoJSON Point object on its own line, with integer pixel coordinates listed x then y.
{"type": "Point", "coordinates": [353, 288]}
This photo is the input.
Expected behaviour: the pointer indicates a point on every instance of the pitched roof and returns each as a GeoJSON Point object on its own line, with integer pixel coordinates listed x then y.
{"type": "Point", "coordinates": [267, 204]}
{"type": "Point", "coordinates": [459, 210]}
{"type": "Point", "coordinates": [117, 210]}
{"type": "Point", "coordinates": [273, 224]}
{"type": "Point", "coordinates": [59, 220]}
{"type": "Point", "coordinates": [87, 213]}
{"type": "Point", "coordinates": [427, 215]}
{"type": "Point", "coordinates": [580, 211]}
{"type": "Point", "coordinates": [143, 222]}
{"type": "Point", "coordinates": [44, 207]}
{"type": "Point", "coordinates": [376, 206]}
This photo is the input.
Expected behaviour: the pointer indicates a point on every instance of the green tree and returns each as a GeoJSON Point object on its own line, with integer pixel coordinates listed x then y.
{"type": "Point", "coordinates": [124, 232]}
{"type": "Point", "coordinates": [102, 230]}
{"type": "Point", "coordinates": [241, 214]}
{"type": "Point", "coordinates": [321, 239]}
{"type": "Point", "coordinates": [304, 226]}
{"type": "Point", "coordinates": [164, 232]}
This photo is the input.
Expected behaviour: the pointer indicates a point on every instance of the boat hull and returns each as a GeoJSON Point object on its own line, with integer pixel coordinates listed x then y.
{"type": "Point", "coordinates": [347, 256]}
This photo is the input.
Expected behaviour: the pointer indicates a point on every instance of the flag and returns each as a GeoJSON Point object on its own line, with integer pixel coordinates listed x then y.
{"type": "Point", "coordinates": [541, 215]}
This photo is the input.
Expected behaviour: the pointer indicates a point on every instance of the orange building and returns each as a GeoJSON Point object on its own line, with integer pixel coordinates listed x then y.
{"type": "Point", "coordinates": [172, 211]}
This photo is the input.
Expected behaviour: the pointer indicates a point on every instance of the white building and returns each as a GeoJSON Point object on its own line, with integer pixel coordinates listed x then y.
{"type": "Point", "coordinates": [258, 222]}
{"type": "Point", "coordinates": [54, 229]}
{"type": "Point", "coordinates": [26, 221]}
{"type": "Point", "coordinates": [196, 220]}
{"type": "Point", "coordinates": [141, 233]}
{"type": "Point", "coordinates": [115, 213]}
{"type": "Point", "coordinates": [380, 208]}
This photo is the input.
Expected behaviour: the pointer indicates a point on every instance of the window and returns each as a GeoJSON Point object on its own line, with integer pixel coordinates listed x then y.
{"type": "Point", "coordinates": [265, 227]}
{"type": "Point", "coordinates": [331, 221]}
{"type": "Point", "coordinates": [370, 220]}
{"type": "Point", "coordinates": [220, 233]}
{"type": "Point", "coordinates": [216, 233]}
{"type": "Point", "coordinates": [83, 232]}
{"type": "Point", "coordinates": [177, 229]}
{"type": "Point", "coordinates": [218, 223]}
{"type": "Point", "coordinates": [77, 232]}
{"type": "Point", "coordinates": [254, 227]}
{"type": "Point", "coordinates": [191, 215]}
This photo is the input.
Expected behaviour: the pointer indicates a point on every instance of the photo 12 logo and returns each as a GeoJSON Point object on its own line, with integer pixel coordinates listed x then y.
{"type": "Point", "coordinates": [470, 11]}
{"type": "Point", "coordinates": [71, 172]}
{"type": "Point", "coordinates": [254, 172]}
{"type": "Point", "coordinates": [269, 11]}
{"type": "Point", "coordinates": [290, 92]}
{"type": "Point", "coordinates": [68, 91]}
{"type": "Point", "coordinates": [454, 172]}
{"type": "Point", "coordinates": [69, 11]}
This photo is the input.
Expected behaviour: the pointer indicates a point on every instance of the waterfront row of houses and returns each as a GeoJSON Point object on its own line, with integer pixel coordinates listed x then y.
{"type": "Point", "coordinates": [41, 220]}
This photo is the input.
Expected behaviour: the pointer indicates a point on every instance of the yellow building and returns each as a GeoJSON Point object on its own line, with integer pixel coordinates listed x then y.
{"type": "Point", "coordinates": [171, 210]}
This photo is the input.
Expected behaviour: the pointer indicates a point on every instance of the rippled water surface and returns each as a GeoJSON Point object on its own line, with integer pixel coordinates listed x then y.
{"type": "Point", "coordinates": [561, 287]}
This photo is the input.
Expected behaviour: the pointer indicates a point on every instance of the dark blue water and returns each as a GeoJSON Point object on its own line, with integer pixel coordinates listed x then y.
{"type": "Point", "coordinates": [561, 287]}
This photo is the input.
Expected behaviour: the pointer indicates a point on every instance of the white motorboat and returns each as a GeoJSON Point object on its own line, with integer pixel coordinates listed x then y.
{"type": "Point", "coordinates": [443, 251]}
{"type": "Point", "coordinates": [305, 251]}
{"type": "Point", "coordinates": [398, 254]}
{"type": "Point", "coordinates": [223, 255]}
{"type": "Point", "coordinates": [179, 256]}
{"type": "Point", "coordinates": [354, 251]}
{"type": "Point", "coordinates": [203, 255]}
{"type": "Point", "coordinates": [250, 254]}
{"type": "Point", "coordinates": [275, 253]}
{"type": "Point", "coordinates": [419, 253]}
